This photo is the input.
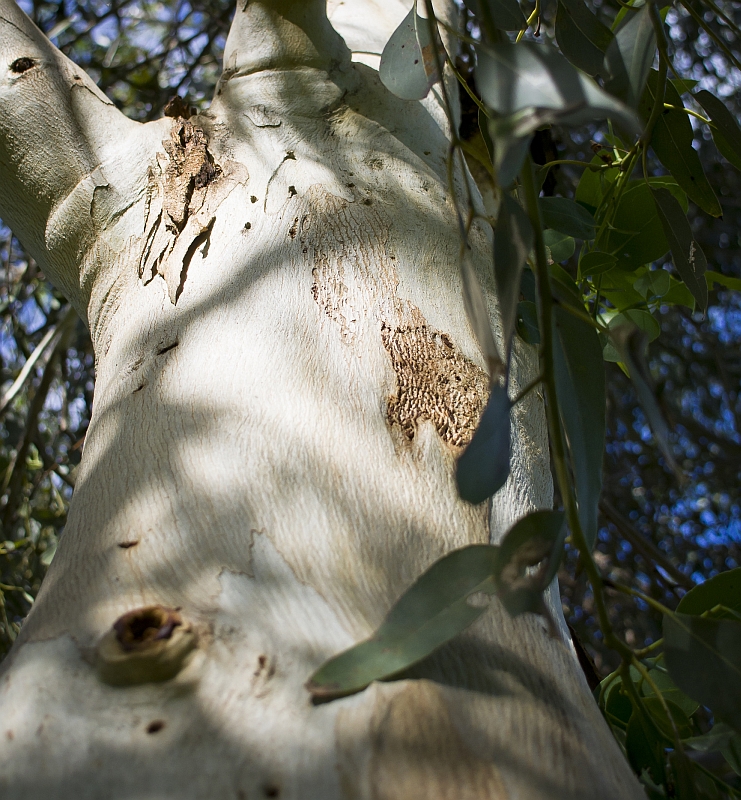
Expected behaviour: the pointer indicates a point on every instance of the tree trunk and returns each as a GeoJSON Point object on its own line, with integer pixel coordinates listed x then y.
{"type": "Point", "coordinates": [285, 376]}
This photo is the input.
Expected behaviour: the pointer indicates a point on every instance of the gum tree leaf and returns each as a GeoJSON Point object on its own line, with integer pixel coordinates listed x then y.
{"type": "Point", "coordinates": [558, 245]}
{"type": "Point", "coordinates": [644, 748]}
{"type": "Point", "coordinates": [671, 140]}
{"type": "Point", "coordinates": [630, 55]}
{"type": "Point", "coordinates": [407, 66]}
{"type": "Point", "coordinates": [583, 39]}
{"type": "Point", "coordinates": [513, 241]}
{"type": "Point", "coordinates": [641, 319]}
{"type": "Point", "coordinates": [653, 284]}
{"type": "Point", "coordinates": [537, 82]}
{"type": "Point", "coordinates": [687, 255]}
{"type": "Point", "coordinates": [567, 217]}
{"type": "Point", "coordinates": [478, 315]}
{"type": "Point", "coordinates": [431, 612]}
{"type": "Point", "coordinates": [580, 388]}
{"type": "Point", "coordinates": [703, 657]}
{"type": "Point", "coordinates": [630, 342]}
{"type": "Point", "coordinates": [725, 130]}
{"type": "Point", "coordinates": [483, 466]}
{"type": "Point", "coordinates": [596, 262]}
{"type": "Point", "coordinates": [722, 590]}
{"type": "Point", "coordinates": [536, 538]}
{"type": "Point", "coordinates": [594, 185]}
{"type": "Point", "coordinates": [656, 710]}
{"type": "Point", "coordinates": [721, 738]}
{"type": "Point", "coordinates": [713, 278]}
{"type": "Point", "coordinates": [669, 691]}
{"type": "Point", "coordinates": [504, 14]}
{"type": "Point", "coordinates": [527, 322]}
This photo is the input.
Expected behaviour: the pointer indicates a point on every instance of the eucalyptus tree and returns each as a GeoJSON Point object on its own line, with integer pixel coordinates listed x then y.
{"type": "Point", "coordinates": [307, 434]}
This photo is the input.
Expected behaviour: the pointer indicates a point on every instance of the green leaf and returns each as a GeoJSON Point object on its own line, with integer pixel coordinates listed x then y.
{"type": "Point", "coordinates": [538, 536]}
{"type": "Point", "coordinates": [618, 705]}
{"type": "Point", "coordinates": [703, 657]}
{"type": "Point", "coordinates": [671, 140]}
{"type": "Point", "coordinates": [513, 241]}
{"type": "Point", "coordinates": [580, 388]}
{"type": "Point", "coordinates": [725, 130]}
{"type": "Point", "coordinates": [527, 322]}
{"type": "Point", "coordinates": [727, 281]}
{"type": "Point", "coordinates": [477, 312]}
{"type": "Point", "coordinates": [630, 342]}
{"type": "Point", "coordinates": [722, 590]}
{"type": "Point", "coordinates": [567, 217]}
{"type": "Point", "coordinates": [636, 235]}
{"type": "Point", "coordinates": [655, 708]}
{"type": "Point", "coordinates": [683, 85]}
{"type": "Point", "coordinates": [504, 14]}
{"type": "Point", "coordinates": [653, 284]}
{"type": "Point", "coordinates": [559, 246]}
{"type": "Point", "coordinates": [670, 691]}
{"type": "Point", "coordinates": [407, 66]}
{"type": "Point", "coordinates": [630, 55]}
{"type": "Point", "coordinates": [687, 256]}
{"type": "Point", "coordinates": [594, 185]}
{"type": "Point", "coordinates": [718, 738]}
{"type": "Point", "coordinates": [583, 39]}
{"type": "Point", "coordinates": [431, 612]}
{"type": "Point", "coordinates": [641, 319]}
{"type": "Point", "coordinates": [510, 147]}
{"type": "Point", "coordinates": [483, 467]}
{"type": "Point", "coordinates": [595, 263]}
{"type": "Point", "coordinates": [644, 748]}
{"type": "Point", "coordinates": [538, 83]}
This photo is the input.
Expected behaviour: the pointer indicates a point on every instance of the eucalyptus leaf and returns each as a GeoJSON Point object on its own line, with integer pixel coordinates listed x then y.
{"type": "Point", "coordinates": [644, 748]}
{"type": "Point", "coordinates": [559, 246]}
{"type": "Point", "coordinates": [630, 342]}
{"type": "Point", "coordinates": [630, 55]}
{"type": "Point", "coordinates": [567, 217]}
{"type": "Point", "coordinates": [594, 185]}
{"type": "Point", "coordinates": [713, 278]}
{"type": "Point", "coordinates": [537, 80]}
{"type": "Point", "coordinates": [725, 129]}
{"type": "Point", "coordinates": [653, 284]}
{"type": "Point", "coordinates": [483, 467]}
{"type": "Point", "coordinates": [671, 140]}
{"type": "Point", "coordinates": [506, 15]}
{"type": "Point", "coordinates": [641, 319]}
{"type": "Point", "coordinates": [687, 256]}
{"type": "Point", "coordinates": [478, 315]}
{"type": "Point", "coordinates": [670, 691]}
{"type": "Point", "coordinates": [703, 657]}
{"type": "Point", "coordinates": [596, 262]}
{"type": "Point", "coordinates": [537, 537]}
{"type": "Point", "coordinates": [723, 589]}
{"type": "Point", "coordinates": [527, 322]}
{"type": "Point", "coordinates": [431, 612]}
{"type": "Point", "coordinates": [513, 241]}
{"type": "Point", "coordinates": [655, 708]}
{"type": "Point", "coordinates": [407, 66]}
{"type": "Point", "coordinates": [583, 39]}
{"type": "Point", "coordinates": [580, 388]}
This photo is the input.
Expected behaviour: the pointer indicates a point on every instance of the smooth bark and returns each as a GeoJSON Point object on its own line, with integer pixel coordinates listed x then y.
{"type": "Point", "coordinates": [285, 376]}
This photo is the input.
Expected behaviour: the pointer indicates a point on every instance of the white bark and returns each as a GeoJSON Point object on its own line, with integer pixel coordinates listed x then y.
{"type": "Point", "coordinates": [284, 378]}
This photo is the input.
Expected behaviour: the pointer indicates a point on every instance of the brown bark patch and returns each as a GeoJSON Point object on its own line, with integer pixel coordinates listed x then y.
{"type": "Point", "coordinates": [435, 382]}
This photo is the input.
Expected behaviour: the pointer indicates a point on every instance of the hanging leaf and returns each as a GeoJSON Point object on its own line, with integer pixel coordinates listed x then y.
{"type": "Point", "coordinates": [630, 55]}
{"type": "Point", "coordinates": [594, 185]}
{"type": "Point", "coordinates": [483, 467]}
{"type": "Point", "coordinates": [538, 536]}
{"type": "Point", "coordinates": [583, 39]}
{"type": "Point", "coordinates": [538, 83]}
{"type": "Point", "coordinates": [567, 217]}
{"type": "Point", "coordinates": [643, 320]}
{"type": "Point", "coordinates": [631, 344]}
{"type": "Point", "coordinates": [722, 590]}
{"type": "Point", "coordinates": [478, 315]}
{"type": "Point", "coordinates": [559, 246]}
{"type": "Point", "coordinates": [506, 15]}
{"type": "Point", "coordinates": [725, 130]}
{"type": "Point", "coordinates": [687, 256]}
{"type": "Point", "coordinates": [653, 284]}
{"type": "Point", "coordinates": [595, 263]}
{"type": "Point", "coordinates": [513, 241]}
{"type": "Point", "coordinates": [728, 282]}
{"type": "Point", "coordinates": [431, 612]}
{"type": "Point", "coordinates": [645, 750]}
{"type": "Point", "coordinates": [636, 235]}
{"type": "Point", "coordinates": [671, 140]}
{"type": "Point", "coordinates": [527, 322]}
{"type": "Point", "coordinates": [703, 657]}
{"type": "Point", "coordinates": [668, 689]}
{"type": "Point", "coordinates": [580, 388]}
{"type": "Point", "coordinates": [721, 738]}
{"type": "Point", "coordinates": [407, 66]}
{"type": "Point", "coordinates": [510, 137]}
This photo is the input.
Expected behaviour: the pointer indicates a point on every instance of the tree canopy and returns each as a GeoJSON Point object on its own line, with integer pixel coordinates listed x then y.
{"type": "Point", "coordinates": [603, 137]}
